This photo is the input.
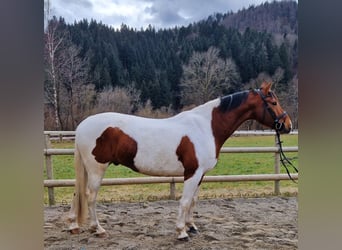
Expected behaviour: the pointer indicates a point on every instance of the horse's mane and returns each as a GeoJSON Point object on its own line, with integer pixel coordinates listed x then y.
{"type": "Point", "coordinates": [232, 101]}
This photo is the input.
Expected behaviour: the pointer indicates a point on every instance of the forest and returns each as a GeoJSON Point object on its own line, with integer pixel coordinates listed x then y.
{"type": "Point", "coordinates": [91, 67]}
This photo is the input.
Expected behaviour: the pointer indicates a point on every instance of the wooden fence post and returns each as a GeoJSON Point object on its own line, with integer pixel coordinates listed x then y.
{"type": "Point", "coordinates": [172, 190]}
{"type": "Point", "coordinates": [276, 167]}
{"type": "Point", "coordinates": [49, 171]}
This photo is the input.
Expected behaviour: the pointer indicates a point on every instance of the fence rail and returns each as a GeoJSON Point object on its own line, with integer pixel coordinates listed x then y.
{"type": "Point", "coordinates": [50, 183]}
{"type": "Point", "coordinates": [70, 151]}
{"type": "Point", "coordinates": [151, 180]}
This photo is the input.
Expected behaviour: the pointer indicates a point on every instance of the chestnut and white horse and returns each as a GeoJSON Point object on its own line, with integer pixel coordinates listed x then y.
{"type": "Point", "coordinates": [187, 144]}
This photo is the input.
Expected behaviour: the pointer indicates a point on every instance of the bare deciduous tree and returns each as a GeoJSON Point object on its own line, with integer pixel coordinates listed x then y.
{"type": "Point", "coordinates": [66, 76]}
{"type": "Point", "coordinates": [75, 77]}
{"type": "Point", "coordinates": [146, 110]}
{"type": "Point", "coordinates": [117, 99]}
{"type": "Point", "coordinates": [53, 43]}
{"type": "Point", "coordinates": [291, 100]}
{"type": "Point", "coordinates": [206, 76]}
{"type": "Point", "coordinates": [84, 97]}
{"type": "Point", "coordinates": [277, 77]}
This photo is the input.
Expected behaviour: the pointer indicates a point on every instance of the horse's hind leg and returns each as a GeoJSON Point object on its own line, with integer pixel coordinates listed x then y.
{"type": "Point", "coordinates": [72, 218]}
{"type": "Point", "coordinates": [78, 206]}
{"type": "Point", "coordinates": [94, 183]}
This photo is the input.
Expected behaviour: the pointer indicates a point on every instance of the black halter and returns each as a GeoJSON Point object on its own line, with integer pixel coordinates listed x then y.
{"type": "Point", "coordinates": [278, 126]}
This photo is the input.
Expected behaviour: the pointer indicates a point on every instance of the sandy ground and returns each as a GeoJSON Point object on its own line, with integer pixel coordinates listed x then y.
{"type": "Point", "coordinates": [238, 223]}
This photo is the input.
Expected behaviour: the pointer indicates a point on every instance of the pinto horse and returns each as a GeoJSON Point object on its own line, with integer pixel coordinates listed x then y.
{"type": "Point", "coordinates": [187, 144]}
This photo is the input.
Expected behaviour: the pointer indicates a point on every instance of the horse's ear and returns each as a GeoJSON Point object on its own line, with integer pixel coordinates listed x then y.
{"type": "Point", "coordinates": [266, 87]}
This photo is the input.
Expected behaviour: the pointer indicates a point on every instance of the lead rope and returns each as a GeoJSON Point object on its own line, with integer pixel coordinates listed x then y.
{"type": "Point", "coordinates": [283, 159]}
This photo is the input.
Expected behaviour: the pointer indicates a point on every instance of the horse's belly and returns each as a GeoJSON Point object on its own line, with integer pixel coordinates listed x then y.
{"type": "Point", "coordinates": [161, 171]}
{"type": "Point", "coordinates": [158, 164]}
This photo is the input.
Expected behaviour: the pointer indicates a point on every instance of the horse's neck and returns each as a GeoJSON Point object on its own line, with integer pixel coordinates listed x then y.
{"type": "Point", "coordinates": [225, 123]}
{"type": "Point", "coordinates": [239, 118]}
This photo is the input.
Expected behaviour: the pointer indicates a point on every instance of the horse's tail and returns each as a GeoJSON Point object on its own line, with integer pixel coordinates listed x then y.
{"type": "Point", "coordinates": [80, 201]}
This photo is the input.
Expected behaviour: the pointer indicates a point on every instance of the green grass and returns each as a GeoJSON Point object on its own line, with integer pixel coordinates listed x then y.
{"type": "Point", "coordinates": [228, 164]}
{"type": "Point", "coordinates": [251, 163]}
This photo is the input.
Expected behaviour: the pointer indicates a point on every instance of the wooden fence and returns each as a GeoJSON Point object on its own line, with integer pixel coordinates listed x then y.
{"type": "Point", "coordinates": [50, 183]}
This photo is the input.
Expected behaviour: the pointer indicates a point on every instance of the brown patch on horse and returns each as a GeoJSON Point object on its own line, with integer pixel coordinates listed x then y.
{"type": "Point", "coordinates": [187, 156]}
{"type": "Point", "coordinates": [218, 125]}
{"type": "Point", "coordinates": [228, 116]}
{"type": "Point", "coordinates": [116, 147]}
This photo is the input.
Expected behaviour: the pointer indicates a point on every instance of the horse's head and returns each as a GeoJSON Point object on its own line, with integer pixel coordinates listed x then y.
{"type": "Point", "coordinates": [269, 111]}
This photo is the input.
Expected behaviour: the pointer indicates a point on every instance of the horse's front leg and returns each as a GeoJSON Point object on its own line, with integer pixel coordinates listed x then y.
{"type": "Point", "coordinates": [186, 206]}
{"type": "Point", "coordinates": [189, 219]}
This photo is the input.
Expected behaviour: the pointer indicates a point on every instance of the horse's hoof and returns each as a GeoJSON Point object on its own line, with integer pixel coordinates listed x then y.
{"type": "Point", "coordinates": [184, 239]}
{"type": "Point", "coordinates": [192, 230]}
{"type": "Point", "coordinates": [74, 231]}
{"type": "Point", "coordinates": [101, 235]}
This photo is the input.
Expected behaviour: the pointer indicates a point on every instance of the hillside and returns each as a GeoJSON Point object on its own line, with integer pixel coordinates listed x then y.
{"type": "Point", "coordinates": [260, 39]}
{"type": "Point", "coordinates": [275, 17]}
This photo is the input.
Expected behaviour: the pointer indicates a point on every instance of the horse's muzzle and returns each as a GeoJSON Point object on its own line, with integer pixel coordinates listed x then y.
{"type": "Point", "coordinates": [282, 128]}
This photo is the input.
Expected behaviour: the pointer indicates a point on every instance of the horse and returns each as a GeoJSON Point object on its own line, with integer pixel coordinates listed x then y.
{"type": "Point", "coordinates": [187, 144]}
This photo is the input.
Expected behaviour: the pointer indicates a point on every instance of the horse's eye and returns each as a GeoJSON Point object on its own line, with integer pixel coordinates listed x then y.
{"type": "Point", "coordinates": [274, 103]}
